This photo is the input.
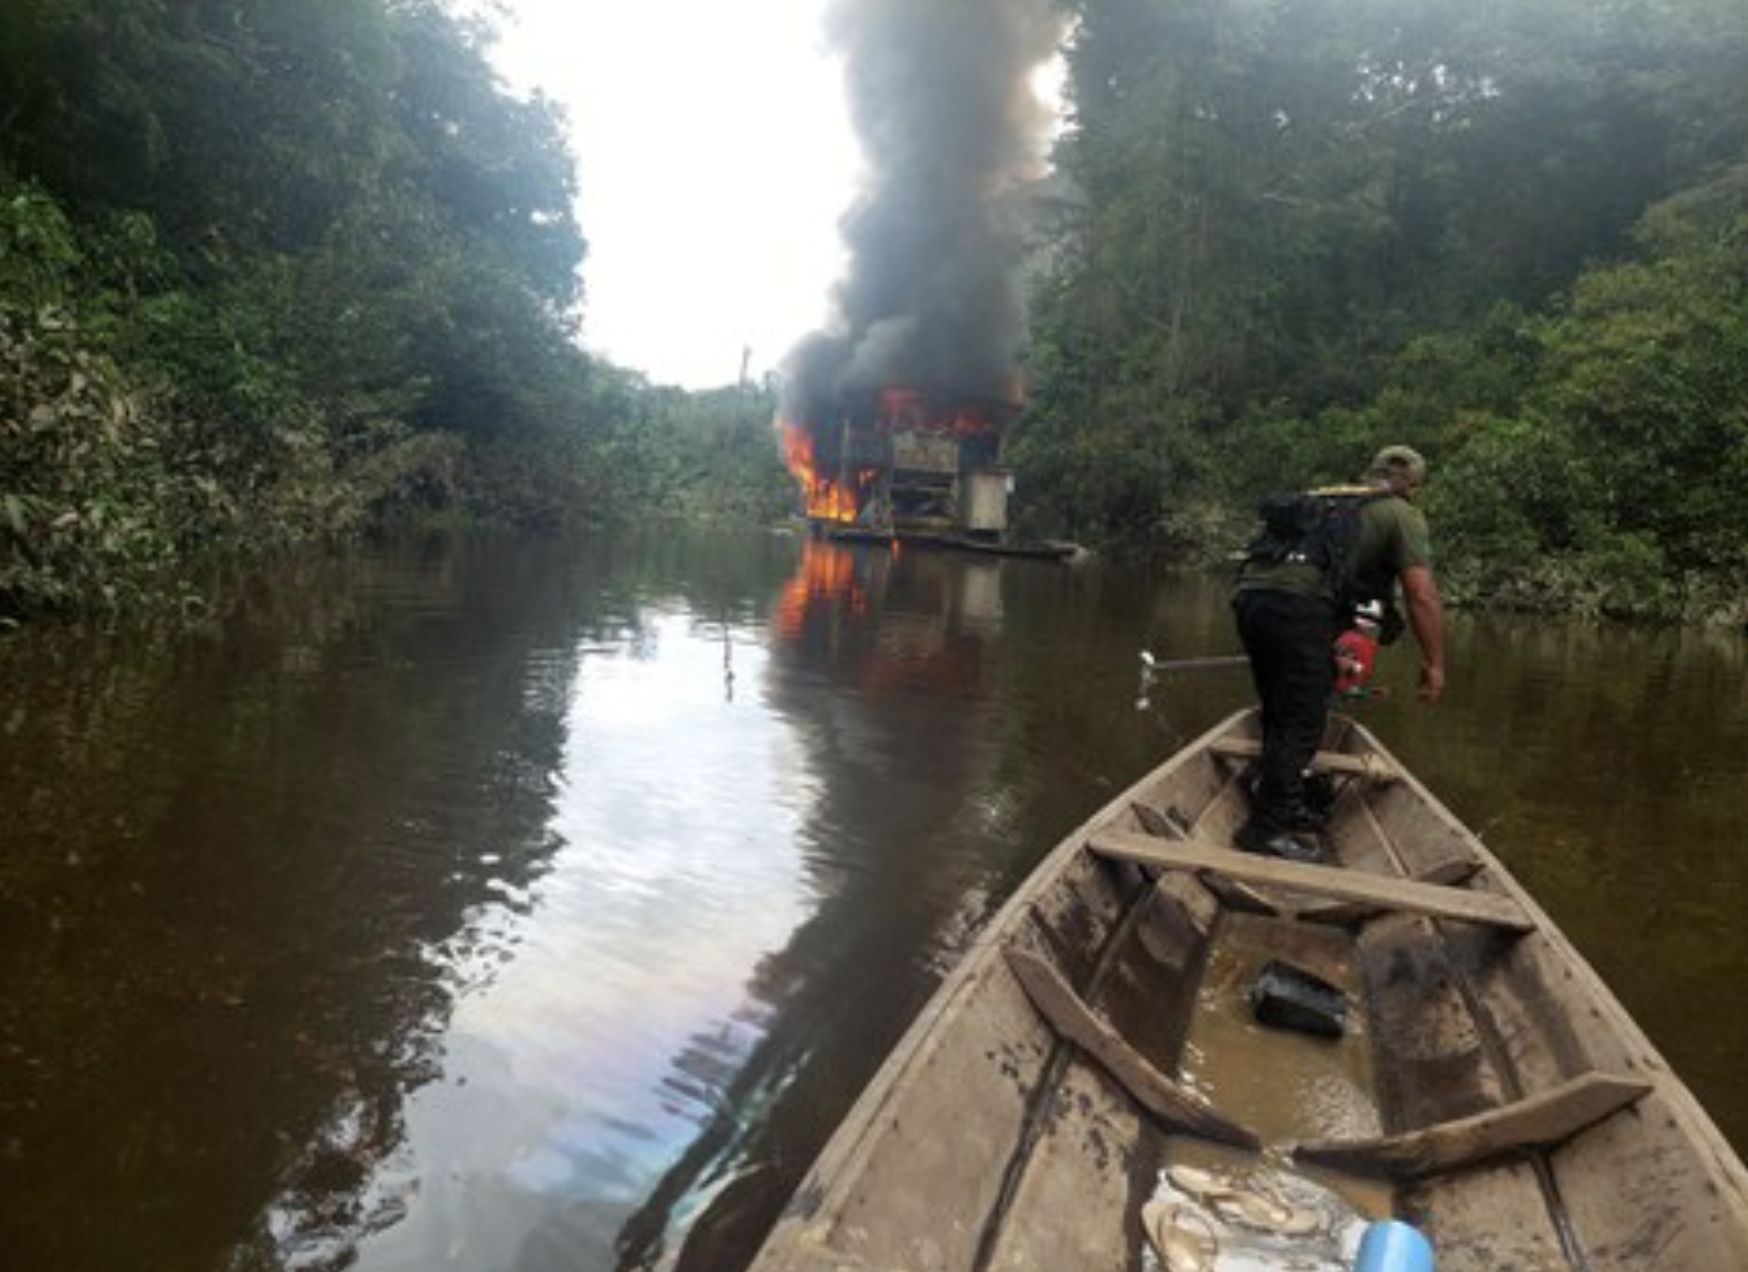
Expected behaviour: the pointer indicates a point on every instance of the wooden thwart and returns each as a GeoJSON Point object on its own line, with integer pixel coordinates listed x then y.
{"type": "Point", "coordinates": [1541, 1121]}
{"type": "Point", "coordinates": [1329, 881]}
{"type": "Point", "coordinates": [1232, 894]}
{"type": "Point", "coordinates": [1366, 766]}
{"type": "Point", "coordinates": [1021, 1121]}
{"type": "Point", "coordinates": [1179, 1110]}
{"type": "Point", "coordinates": [1453, 870]}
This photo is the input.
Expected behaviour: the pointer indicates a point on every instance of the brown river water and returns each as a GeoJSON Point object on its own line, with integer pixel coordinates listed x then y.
{"type": "Point", "coordinates": [507, 905]}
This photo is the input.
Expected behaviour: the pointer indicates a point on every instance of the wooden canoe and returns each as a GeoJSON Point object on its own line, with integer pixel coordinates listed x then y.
{"type": "Point", "coordinates": [1489, 1088]}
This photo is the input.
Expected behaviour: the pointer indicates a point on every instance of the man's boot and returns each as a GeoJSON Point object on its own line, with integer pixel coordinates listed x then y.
{"type": "Point", "coordinates": [1318, 794]}
{"type": "Point", "coordinates": [1307, 816]}
{"type": "Point", "coordinates": [1310, 812]}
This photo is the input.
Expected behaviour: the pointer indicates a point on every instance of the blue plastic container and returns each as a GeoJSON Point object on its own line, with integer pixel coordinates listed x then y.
{"type": "Point", "coordinates": [1393, 1246]}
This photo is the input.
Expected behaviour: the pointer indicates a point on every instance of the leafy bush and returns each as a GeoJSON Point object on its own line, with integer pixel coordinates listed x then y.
{"type": "Point", "coordinates": [89, 487]}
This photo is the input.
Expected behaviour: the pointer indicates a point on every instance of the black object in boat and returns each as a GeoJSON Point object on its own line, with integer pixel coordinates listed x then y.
{"type": "Point", "coordinates": [1289, 997]}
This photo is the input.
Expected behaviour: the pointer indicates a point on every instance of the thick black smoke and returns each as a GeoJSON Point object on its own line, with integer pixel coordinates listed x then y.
{"type": "Point", "coordinates": [950, 130]}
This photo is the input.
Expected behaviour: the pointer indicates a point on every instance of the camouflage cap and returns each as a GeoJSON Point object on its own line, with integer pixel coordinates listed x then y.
{"type": "Point", "coordinates": [1399, 461]}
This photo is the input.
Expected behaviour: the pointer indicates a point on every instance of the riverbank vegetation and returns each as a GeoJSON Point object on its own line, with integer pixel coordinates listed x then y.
{"type": "Point", "coordinates": [1514, 236]}
{"type": "Point", "coordinates": [273, 272]}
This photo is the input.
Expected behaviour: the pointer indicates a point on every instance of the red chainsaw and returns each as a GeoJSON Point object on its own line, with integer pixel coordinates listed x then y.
{"type": "Point", "coordinates": [1355, 651]}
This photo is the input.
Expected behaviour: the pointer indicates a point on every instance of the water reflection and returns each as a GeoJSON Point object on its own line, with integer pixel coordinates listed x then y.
{"type": "Point", "coordinates": [500, 906]}
{"type": "Point", "coordinates": [233, 865]}
{"type": "Point", "coordinates": [674, 812]}
{"type": "Point", "coordinates": [877, 669]}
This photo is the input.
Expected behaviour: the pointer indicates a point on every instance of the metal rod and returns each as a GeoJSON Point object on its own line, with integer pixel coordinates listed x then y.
{"type": "Point", "coordinates": [1196, 664]}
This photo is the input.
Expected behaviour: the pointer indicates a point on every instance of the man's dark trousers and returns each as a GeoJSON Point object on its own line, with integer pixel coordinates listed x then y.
{"type": "Point", "coordinates": [1290, 640]}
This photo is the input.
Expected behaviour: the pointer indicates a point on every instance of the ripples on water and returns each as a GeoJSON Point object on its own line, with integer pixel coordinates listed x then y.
{"type": "Point", "coordinates": [524, 906]}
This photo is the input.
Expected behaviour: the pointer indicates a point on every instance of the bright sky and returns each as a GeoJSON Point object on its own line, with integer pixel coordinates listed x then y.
{"type": "Point", "coordinates": [714, 155]}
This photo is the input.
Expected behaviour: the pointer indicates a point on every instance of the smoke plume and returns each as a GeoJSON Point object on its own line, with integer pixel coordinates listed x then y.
{"type": "Point", "coordinates": [950, 130]}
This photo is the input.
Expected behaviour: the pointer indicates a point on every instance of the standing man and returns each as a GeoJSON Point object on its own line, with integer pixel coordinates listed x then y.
{"type": "Point", "coordinates": [1320, 555]}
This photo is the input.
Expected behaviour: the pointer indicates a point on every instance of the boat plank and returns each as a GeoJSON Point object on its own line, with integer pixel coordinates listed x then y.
{"type": "Point", "coordinates": [1486, 1219]}
{"type": "Point", "coordinates": [1450, 874]}
{"type": "Point", "coordinates": [1155, 822]}
{"type": "Point", "coordinates": [902, 1193]}
{"type": "Point", "coordinates": [1369, 767]}
{"type": "Point", "coordinates": [1077, 1201]}
{"type": "Point", "coordinates": [989, 1142]}
{"type": "Point", "coordinates": [1432, 1065]}
{"type": "Point", "coordinates": [1232, 894]}
{"type": "Point", "coordinates": [1424, 842]}
{"type": "Point", "coordinates": [1150, 993]}
{"type": "Point", "coordinates": [1329, 881]}
{"type": "Point", "coordinates": [1537, 1121]}
{"type": "Point", "coordinates": [1432, 1062]}
{"type": "Point", "coordinates": [1237, 897]}
{"type": "Point", "coordinates": [1655, 1187]}
{"type": "Point", "coordinates": [885, 1191]}
{"type": "Point", "coordinates": [1080, 912]}
{"type": "Point", "coordinates": [1176, 1108]}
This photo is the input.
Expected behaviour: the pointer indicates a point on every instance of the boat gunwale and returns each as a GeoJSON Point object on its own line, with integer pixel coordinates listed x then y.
{"type": "Point", "coordinates": [832, 1177]}
{"type": "Point", "coordinates": [1695, 1123]}
{"type": "Point", "coordinates": [836, 1168]}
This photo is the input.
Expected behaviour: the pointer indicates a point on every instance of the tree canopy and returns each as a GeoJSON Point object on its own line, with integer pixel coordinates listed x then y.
{"type": "Point", "coordinates": [272, 269]}
{"type": "Point", "coordinates": [1511, 234]}
{"type": "Point", "coordinates": [277, 269]}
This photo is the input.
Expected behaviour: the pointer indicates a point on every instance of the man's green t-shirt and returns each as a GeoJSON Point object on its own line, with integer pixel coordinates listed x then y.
{"type": "Point", "coordinates": [1392, 536]}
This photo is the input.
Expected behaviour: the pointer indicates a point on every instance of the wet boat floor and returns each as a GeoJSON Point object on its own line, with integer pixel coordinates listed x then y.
{"type": "Point", "coordinates": [1286, 1085]}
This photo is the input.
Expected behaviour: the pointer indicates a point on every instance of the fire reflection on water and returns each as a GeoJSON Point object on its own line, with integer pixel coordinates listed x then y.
{"type": "Point", "coordinates": [453, 918]}
{"type": "Point", "coordinates": [623, 1067]}
{"type": "Point", "coordinates": [890, 618]}
{"type": "Point", "coordinates": [871, 649]}
{"type": "Point", "coordinates": [825, 579]}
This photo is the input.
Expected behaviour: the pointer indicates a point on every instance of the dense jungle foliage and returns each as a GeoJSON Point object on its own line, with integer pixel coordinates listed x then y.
{"type": "Point", "coordinates": [273, 270]}
{"type": "Point", "coordinates": [1512, 234]}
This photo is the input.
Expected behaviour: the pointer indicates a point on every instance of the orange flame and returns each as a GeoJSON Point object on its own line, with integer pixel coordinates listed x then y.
{"type": "Point", "coordinates": [843, 496]}
{"type": "Point", "coordinates": [824, 498]}
{"type": "Point", "coordinates": [911, 410]}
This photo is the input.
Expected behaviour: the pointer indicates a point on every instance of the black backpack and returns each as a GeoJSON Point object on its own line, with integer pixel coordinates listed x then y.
{"type": "Point", "coordinates": [1318, 527]}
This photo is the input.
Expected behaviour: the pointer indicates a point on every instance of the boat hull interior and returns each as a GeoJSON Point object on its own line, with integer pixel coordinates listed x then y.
{"type": "Point", "coordinates": [1100, 1041]}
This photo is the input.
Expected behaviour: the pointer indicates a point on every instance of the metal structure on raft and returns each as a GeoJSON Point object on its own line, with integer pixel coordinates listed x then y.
{"type": "Point", "coordinates": [911, 465]}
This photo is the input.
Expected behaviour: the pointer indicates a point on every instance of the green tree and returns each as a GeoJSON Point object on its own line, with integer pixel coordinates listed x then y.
{"type": "Point", "coordinates": [1299, 226]}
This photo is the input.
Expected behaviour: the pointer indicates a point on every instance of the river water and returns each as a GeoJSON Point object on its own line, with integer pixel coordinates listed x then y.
{"type": "Point", "coordinates": [507, 905]}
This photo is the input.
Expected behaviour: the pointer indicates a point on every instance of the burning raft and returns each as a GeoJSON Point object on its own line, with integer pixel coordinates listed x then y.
{"type": "Point", "coordinates": [1091, 1088]}
{"type": "Point", "coordinates": [903, 463]}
